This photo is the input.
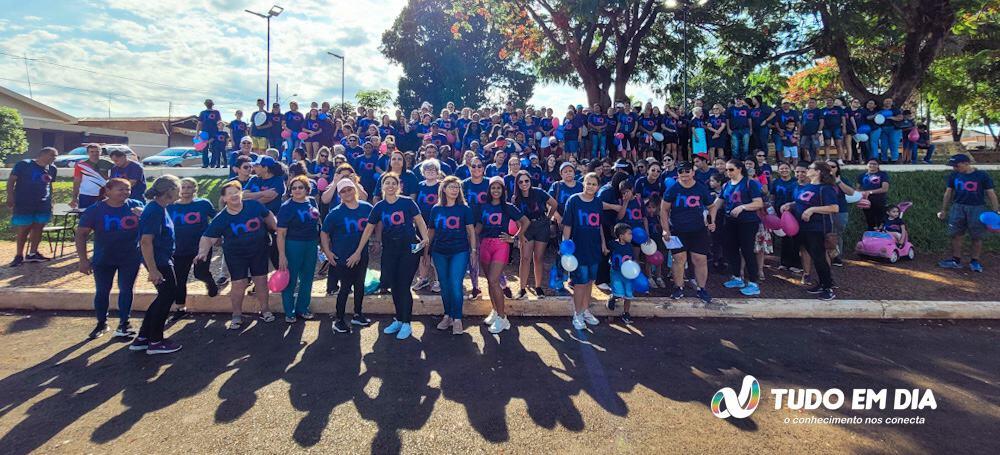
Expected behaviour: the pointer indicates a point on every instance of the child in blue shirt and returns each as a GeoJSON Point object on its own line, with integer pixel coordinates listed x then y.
{"type": "Point", "coordinates": [621, 287]}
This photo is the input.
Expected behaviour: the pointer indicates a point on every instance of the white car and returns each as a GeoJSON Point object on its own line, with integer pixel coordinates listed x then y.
{"type": "Point", "coordinates": [174, 157]}
{"type": "Point", "coordinates": [70, 158]}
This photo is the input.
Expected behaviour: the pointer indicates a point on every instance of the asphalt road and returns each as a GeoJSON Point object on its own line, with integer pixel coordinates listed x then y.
{"type": "Point", "coordinates": [540, 388]}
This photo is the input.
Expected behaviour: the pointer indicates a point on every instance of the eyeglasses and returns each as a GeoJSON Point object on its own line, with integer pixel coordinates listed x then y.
{"type": "Point", "coordinates": [524, 181]}
{"type": "Point", "coordinates": [761, 155]}
{"type": "Point", "coordinates": [299, 187]}
{"type": "Point", "coordinates": [477, 166]}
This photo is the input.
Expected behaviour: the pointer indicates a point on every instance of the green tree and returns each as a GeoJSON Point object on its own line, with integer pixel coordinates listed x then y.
{"type": "Point", "coordinates": [444, 61]}
{"type": "Point", "coordinates": [13, 142]}
{"type": "Point", "coordinates": [378, 99]}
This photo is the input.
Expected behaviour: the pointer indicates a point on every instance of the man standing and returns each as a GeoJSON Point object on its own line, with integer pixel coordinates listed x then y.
{"type": "Point", "coordinates": [964, 200]}
{"type": "Point", "coordinates": [129, 170]}
{"type": "Point", "coordinates": [208, 120]}
{"type": "Point", "coordinates": [274, 134]}
{"type": "Point", "coordinates": [237, 128]}
{"type": "Point", "coordinates": [260, 133]}
{"type": "Point", "coordinates": [89, 177]}
{"type": "Point", "coordinates": [809, 131]}
{"type": "Point", "coordinates": [29, 195]}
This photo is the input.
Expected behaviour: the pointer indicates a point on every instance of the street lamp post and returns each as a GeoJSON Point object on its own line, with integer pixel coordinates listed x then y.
{"type": "Point", "coordinates": [343, 63]}
{"type": "Point", "coordinates": [685, 10]}
{"type": "Point", "coordinates": [273, 12]}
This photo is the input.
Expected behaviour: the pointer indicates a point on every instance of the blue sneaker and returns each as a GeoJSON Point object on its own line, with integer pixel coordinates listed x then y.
{"type": "Point", "coordinates": [950, 264]}
{"type": "Point", "coordinates": [734, 283]}
{"type": "Point", "coordinates": [404, 332]}
{"type": "Point", "coordinates": [703, 295]}
{"type": "Point", "coordinates": [975, 266]}
{"type": "Point", "coordinates": [393, 328]}
{"type": "Point", "coordinates": [677, 294]}
{"type": "Point", "coordinates": [750, 289]}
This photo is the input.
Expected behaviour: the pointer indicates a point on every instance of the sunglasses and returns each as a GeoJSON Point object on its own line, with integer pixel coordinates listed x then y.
{"type": "Point", "coordinates": [298, 187]}
{"type": "Point", "coordinates": [524, 181]}
{"type": "Point", "coordinates": [323, 155]}
{"type": "Point", "coordinates": [730, 169]}
{"type": "Point", "coordinates": [477, 166]}
{"type": "Point", "coordinates": [248, 168]}
{"type": "Point", "coordinates": [668, 159]}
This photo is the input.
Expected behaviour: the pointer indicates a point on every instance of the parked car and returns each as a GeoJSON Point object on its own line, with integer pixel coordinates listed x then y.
{"type": "Point", "coordinates": [69, 159]}
{"type": "Point", "coordinates": [174, 157]}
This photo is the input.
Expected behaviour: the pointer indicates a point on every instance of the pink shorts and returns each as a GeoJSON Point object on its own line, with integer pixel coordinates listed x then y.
{"type": "Point", "coordinates": [494, 250]}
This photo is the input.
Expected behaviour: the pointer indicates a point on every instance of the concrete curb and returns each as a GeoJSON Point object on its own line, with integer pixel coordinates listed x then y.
{"type": "Point", "coordinates": [72, 300]}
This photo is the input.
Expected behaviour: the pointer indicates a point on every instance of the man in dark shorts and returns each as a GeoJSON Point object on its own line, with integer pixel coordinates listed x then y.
{"type": "Point", "coordinates": [964, 201]}
{"type": "Point", "coordinates": [29, 195]}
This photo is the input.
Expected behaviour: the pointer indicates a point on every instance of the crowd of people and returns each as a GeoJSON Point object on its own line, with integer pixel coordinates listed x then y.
{"type": "Point", "coordinates": [440, 195]}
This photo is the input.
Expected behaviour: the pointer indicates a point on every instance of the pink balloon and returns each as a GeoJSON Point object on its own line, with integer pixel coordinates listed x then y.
{"type": "Point", "coordinates": [914, 135]}
{"type": "Point", "coordinates": [303, 135]}
{"type": "Point", "coordinates": [451, 138]}
{"type": "Point", "coordinates": [512, 227]}
{"type": "Point", "coordinates": [789, 223]}
{"type": "Point", "coordinates": [201, 146]}
{"type": "Point", "coordinates": [655, 258]}
{"type": "Point", "coordinates": [383, 148]}
{"type": "Point", "coordinates": [321, 184]}
{"type": "Point", "coordinates": [278, 281]}
{"type": "Point", "coordinates": [619, 136]}
{"type": "Point", "coordinates": [555, 122]}
{"type": "Point", "coordinates": [772, 222]}
{"type": "Point", "coordinates": [286, 134]}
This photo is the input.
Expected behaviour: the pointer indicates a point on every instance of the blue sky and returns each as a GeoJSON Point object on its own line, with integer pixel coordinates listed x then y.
{"type": "Point", "coordinates": [197, 49]}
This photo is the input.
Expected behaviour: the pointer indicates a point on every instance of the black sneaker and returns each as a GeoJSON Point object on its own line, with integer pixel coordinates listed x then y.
{"type": "Point", "coordinates": [18, 260]}
{"type": "Point", "coordinates": [521, 294]}
{"type": "Point", "coordinates": [139, 344]}
{"type": "Point", "coordinates": [36, 257]}
{"type": "Point", "coordinates": [475, 294]}
{"type": "Point", "coordinates": [124, 331]}
{"type": "Point", "coordinates": [627, 318]}
{"type": "Point", "coordinates": [815, 289]}
{"type": "Point", "coordinates": [612, 303]}
{"type": "Point", "coordinates": [677, 294]}
{"type": "Point", "coordinates": [362, 320]}
{"type": "Point", "coordinates": [539, 291]}
{"type": "Point", "coordinates": [340, 326]}
{"type": "Point", "coordinates": [837, 262]}
{"type": "Point", "coordinates": [333, 291]}
{"type": "Point", "coordinates": [507, 293]}
{"type": "Point", "coordinates": [213, 289]}
{"type": "Point", "coordinates": [222, 281]}
{"type": "Point", "coordinates": [98, 331]}
{"type": "Point", "coordinates": [827, 294]}
{"type": "Point", "coordinates": [163, 347]}
{"type": "Point", "coordinates": [181, 313]}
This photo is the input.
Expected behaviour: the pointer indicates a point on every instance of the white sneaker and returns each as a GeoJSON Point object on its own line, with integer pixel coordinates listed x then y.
{"type": "Point", "coordinates": [492, 317]}
{"type": "Point", "coordinates": [506, 324]}
{"type": "Point", "coordinates": [604, 287]}
{"type": "Point", "coordinates": [435, 287]}
{"type": "Point", "coordinates": [421, 283]}
{"type": "Point", "coordinates": [578, 322]}
{"type": "Point", "coordinates": [497, 326]}
{"type": "Point", "coordinates": [589, 318]}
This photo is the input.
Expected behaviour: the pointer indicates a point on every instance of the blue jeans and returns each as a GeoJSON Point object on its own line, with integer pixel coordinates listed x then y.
{"type": "Point", "coordinates": [889, 144]}
{"type": "Point", "coordinates": [599, 143]}
{"type": "Point", "coordinates": [930, 152]}
{"type": "Point", "coordinates": [810, 143]}
{"type": "Point", "coordinates": [741, 143]}
{"type": "Point", "coordinates": [779, 146]}
{"type": "Point", "coordinates": [301, 255]}
{"type": "Point", "coordinates": [874, 139]}
{"type": "Point", "coordinates": [104, 276]}
{"type": "Point", "coordinates": [572, 146]}
{"type": "Point", "coordinates": [204, 156]}
{"type": "Point", "coordinates": [763, 138]}
{"type": "Point", "coordinates": [451, 271]}
{"type": "Point", "coordinates": [290, 145]}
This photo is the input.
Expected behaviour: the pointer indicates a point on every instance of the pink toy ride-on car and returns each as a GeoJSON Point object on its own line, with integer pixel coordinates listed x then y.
{"type": "Point", "coordinates": [882, 245]}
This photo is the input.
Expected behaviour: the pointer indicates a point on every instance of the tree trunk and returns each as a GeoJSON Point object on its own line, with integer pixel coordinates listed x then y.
{"type": "Point", "coordinates": [956, 135]}
{"type": "Point", "coordinates": [989, 129]}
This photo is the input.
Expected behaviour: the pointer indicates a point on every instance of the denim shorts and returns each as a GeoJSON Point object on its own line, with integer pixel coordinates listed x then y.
{"type": "Point", "coordinates": [572, 147]}
{"type": "Point", "coordinates": [835, 133]}
{"type": "Point", "coordinates": [620, 286]}
{"type": "Point", "coordinates": [965, 219]}
{"type": "Point", "coordinates": [27, 219]}
{"type": "Point", "coordinates": [583, 274]}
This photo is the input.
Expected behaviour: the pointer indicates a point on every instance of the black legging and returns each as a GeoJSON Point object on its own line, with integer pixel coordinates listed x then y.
{"type": "Point", "coordinates": [156, 314]}
{"type": "Point", "coordinates": [814, 243]}
{"type": "Point", "coordinates": [272, 249]}
{"type": "Point", "coordinates": [876, 214]}
{"type": "Point", "coordinates": [738, 241]}
{"type": "Point", "coordinates": [351, 277]}
{"type": "Point", "coordinates": [790, 252]}
{"type": "Point", "coordinates": [182, 267]}
{"type": "Point", "coordinates": [399, 265]}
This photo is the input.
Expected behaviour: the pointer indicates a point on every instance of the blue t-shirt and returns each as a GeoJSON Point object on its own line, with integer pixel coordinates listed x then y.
{"type": "Point", "coordinates": [868, 182]}
{"type": "Point", "coordinates": [427, 197]}
{"type": "Point", "coordinates": [322, 170]}
{"type": "Point", "coordinates": [832, 117]}
{"type": "Point", "coordinates": [275, 134]}
{"type": "Point", "coordinates": [131, 171]}
{"type": "Point", "coordinates": [584, 220]}
{"type": "Point", "coordinates": [239, 129]}
{"type": "Point", "coordinates": [209, 119]}
{"type": "Point", "coordinates": [276, 183]}
{"type": "Point", "coordinates": [190, 221]}
{"type": "Point", "coordinates": [345, 226]}
{"type": "Point", "coordinates": [256, 131]}
{"type": "Point", "coordinates": [648, 123]}
{"type": "Point", "coordinates": [813, 195]}
{"type": "Point", "coordinates": [620, 252]}
{"type": "Point", "coordinates": [759, 114]}
{"type": "Point", "coordinates": [116, 232]}
{"type": "Point", "coordinates": [300, 218]}
{"type": "Point", "coordinates": [783, 191]}
{"type": "Point", "coordinates": [893, 225]}
{"type": "Point", "coordinates": [687, 207]}
{"type": "Point", "coordinates": [742, 193]}
{"type": "Point", "coordinates": [739, 117]}
{"type": "Point", "coordinates": [643, 187]}
{"type": "Point", "coordinates": [243, 234]}
{"type": "Point", "coordinates": [626, 122]}
{"type": "Point", "coordinates": [449, 224]}
{"type": "Point", "coordinates": [33, 193]}
{"type": "Point", "coordinates": [365, 167]}
{"type": "Point", "coordinates": [495, 218]}
{"type": "Point", "coordinates": [782, 117]}
{"type": "Point", "coordinates": [408, 181]}
{"type": "Point", "coordinates": [476, 194]}
{"type": "Point", "coordinates": [294, 120]}
{"type": "Point", "coordinates": [492, 170]}
{"type": "Point", "coordinates": [970, 189]}
{"type": "Point", "coordinates": [396, 218]}
{"type": "Point", "coordinates": [704, 176]}
{"type": "Point", "coordinates": [597, 121]}
{"type": "Point", "coordinates": [810, 121]}
{"type": "Point", "coordinates": [157, 222]}
{"type": "Point", "coordinates": [534, 205]}
{"type": "Point", "coordinates": [634, 213]}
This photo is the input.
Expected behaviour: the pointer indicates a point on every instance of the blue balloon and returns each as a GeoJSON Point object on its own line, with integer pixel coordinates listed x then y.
{"type": "Point", "coordinates": [196, 139]}
{"type": "Point", "coordinates": [525, 162]}
{"type": "Point", "coordinates": [560, 133]}
{"type": "Point", "coordinates": [864, 129]}
{"type": "Point", "coordinates": [324, 116]}
{"type": "Point", "coordinates": [567, 247]}
{"type": "Point", "coordinates": [555, 278]}
{"type": "Point", "coordinates": [991, 219]}
{"type": "Point", "coordinates": [640, 284]}
{"type": "Point", "coordinates": [204, 135]}
{"type": "Point", "coordinates": [639, 235]}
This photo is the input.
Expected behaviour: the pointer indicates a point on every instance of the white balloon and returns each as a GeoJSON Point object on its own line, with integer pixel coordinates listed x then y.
{"type": "Point", "coordinates": [584, 131]}
{"type": "Point", "coordinates": [648, 248]}
{"type": "Point", "coordinates": [569, 262]}
{"type": "Point", "coordinates": [630, 269]}
{"type": "Point", "coordinates": [259, 118]}
{"type": "Point", "coordinates": [545, 142]}
{"type": "Point", "coordinates": [779, 233]}
{"type": "Point", "coordinates": [853, 198]}
{"type": "Point", "coordinates": [879, 119]}
{"type": "Point", "coordinates": [861, 137]}
{"type": "Point", "coordinates": [538, 135]}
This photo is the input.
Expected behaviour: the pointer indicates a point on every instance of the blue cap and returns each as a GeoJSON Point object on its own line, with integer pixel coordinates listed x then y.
{"type": "Point", "coordinates": [958, 159]}
{"type": "Point", "coordinates": [265, 161]}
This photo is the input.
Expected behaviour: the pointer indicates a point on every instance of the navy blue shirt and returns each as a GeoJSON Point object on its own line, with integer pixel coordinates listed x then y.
{"type": "Point", "coordinates": [643, 187]}
{"type": "Point", "coordinates": [408, 181]}
{"type": "Point", "coordinates": [276, 183]}
{"type": "Point", "coordinates": [810, 121]}
{"type": "Point", "coordinates": [116, 232]}
{"type": "Point", "coordinates": [243, 234]}
{"type": "Point", "coordinates": [131, 171]}
{"type": "Point", "coordinates": [620, 252]}
{"type": "Point", "coordinates": [33, 193]}
{"type": "Point", "coordinates": [396, 218]}
{"type": "Point", "coordinates": [812, 195]}
{"type": "Point", "coordinates": [345, 226]}
{"type": "Point", "coordinates": [427, 197]}
{"type": "Point", "coordinates": [294, 120]}
{"type": "Point", "coordinates": [157, 222]}
{"type": "Point", "coordinates": [534, 205]}
{"type": "Point", "coordinates": [239, 129]}
{"type": "Point", "coordinates": [759, 114]}
{"type": "Point", "coordinates": [300, 218]}
{"type": "Point", "coordinates": [970, 189]}
{"type": "Point", "coordinates": [476, 194]}
{"type": "Point", "coordinates": [449, 224]}
{"type": "Point", "coordinates": [190, 221]}
{"type": "Point", "coordinates": [832, 117]}
{"type": "Point", "coordinates": [687, 207]}
{"type": "Point", "coordinates": [868, 182]}
{"type": "Point", "coordinates": [584, 220]}
{"type": "Point", "coordinates": [739, 117]}
{"type": "Point", "coordinates": [742, 193]}
{"type": "Point", "coordinates": [783, 191]}
{"type": "Point", "coordinates": [209, 119]}
{"type": "Point", "coordinates": [495, 218]}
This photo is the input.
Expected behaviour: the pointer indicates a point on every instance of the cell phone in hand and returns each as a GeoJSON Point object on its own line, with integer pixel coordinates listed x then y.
{"type": "Point", "coordinates": [416, 247]}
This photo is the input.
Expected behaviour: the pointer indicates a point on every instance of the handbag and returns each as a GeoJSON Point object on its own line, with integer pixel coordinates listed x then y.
{"type": "Point", "coordinates": [831, 239]}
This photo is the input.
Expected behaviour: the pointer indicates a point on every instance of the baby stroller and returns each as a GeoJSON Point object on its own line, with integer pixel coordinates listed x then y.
{"type": "Point", "coordinates": [883, 245]}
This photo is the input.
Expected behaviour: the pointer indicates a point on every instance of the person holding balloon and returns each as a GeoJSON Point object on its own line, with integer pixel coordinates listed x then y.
{"type": "Point", "coordinates": [683, 209]}
{"type": "Point", "coordinates": [243, 228]}
{"type": "Point", "coordinates": [741, 197]}
{"type": "Point", "coordinates": [964, 208]}
{"type": "Point", "coordinates": [814, 206]}
{"type": "Point", "coordinates": [874, 186]}
{"type": "Point", "coordinates": [621, 254]}
{"type": "Point", "coordinates": [297, 239]}
{"type": "Point", "coordinates": [498, 225]}
{"type": "Point", "coordinates": [582, 225]}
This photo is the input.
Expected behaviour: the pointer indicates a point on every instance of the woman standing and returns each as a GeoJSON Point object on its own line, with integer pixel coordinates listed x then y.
{"type": "Point", "coordinates": [843, 210]}
{"type": "Point", "coordinates": [541, 210]}
{"type": "Point", "coordinates": [157, 245]}
{"type": "Point", "coordinates": [582, 225]}
{"type": "Point", "coordinates": [397, 165]}
{"type": "Point", "coordinates": [868, 113]}
{"type": "Point", "coordinates": [492, 223]}
{"type": "Point", "coordinates": [400, 219]}
{"type": "Point", "coordinates": [298, 236]}
{"type": "Point", "coordinates": [313, 128]}
{"type": "Point", "coordinates": [716, 133]}
{"type": "Point", "coordinates": [782, 191]}
{"type": "Point", "coordinates": [684, 206]}
{"type": "Point", "coordinates": [342, 229]}
{"type": "Point", "coordinates": [115, 224]}
{"type": "Point", "coordinates": [453, 241]}
{"type": "Point", "coordinates": [427, 198]}
{"type": "Point", "coordinates": [267, 187]}
{"type": "Point", "coordinates": [477, 191]}
{"type": "Point", "coordinates": [874, 186]}
{"type": "Point", "coordinates": [191, 215]}
{"type": "Point", "coordinates": [243, 227]}
{"type": "Point", "coordinates": [814, 205]}
{"type": "Point", "coordinates": [741, 197]}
